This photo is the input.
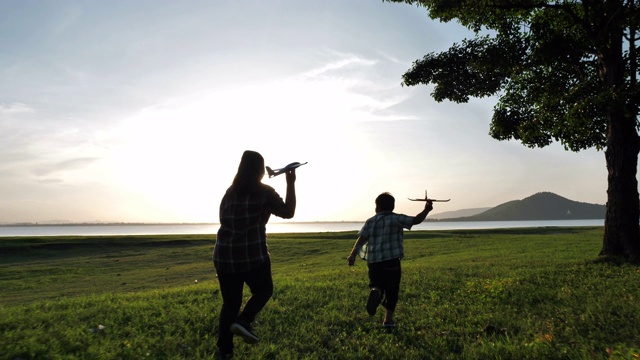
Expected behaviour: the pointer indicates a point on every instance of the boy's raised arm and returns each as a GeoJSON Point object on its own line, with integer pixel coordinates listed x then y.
{"type": "Point", "coordinates": [428, 206]}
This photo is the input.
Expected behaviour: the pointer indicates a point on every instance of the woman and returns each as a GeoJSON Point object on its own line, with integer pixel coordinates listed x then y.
{"type": "Point", "coordinates": [240, 254]}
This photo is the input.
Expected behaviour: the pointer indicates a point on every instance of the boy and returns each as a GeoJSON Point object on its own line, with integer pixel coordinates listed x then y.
{"type": "Point", "coordinates": [380, 243]}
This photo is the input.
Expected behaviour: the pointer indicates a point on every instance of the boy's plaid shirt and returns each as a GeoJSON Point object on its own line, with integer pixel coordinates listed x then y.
{"type": "Point", "coordinates": [385, 235]}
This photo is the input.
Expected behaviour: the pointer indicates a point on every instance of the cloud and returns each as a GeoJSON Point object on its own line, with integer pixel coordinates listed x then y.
{"type": "Point", "coordinates": [340, 61]}
{"type": "Point", "coordinates": [68, 165]}
{"type": "Point", "coordinates": [15, 108]}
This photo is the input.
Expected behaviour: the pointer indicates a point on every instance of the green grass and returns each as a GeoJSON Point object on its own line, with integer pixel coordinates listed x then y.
{"type": "Point", "coordinates": [482, 294]}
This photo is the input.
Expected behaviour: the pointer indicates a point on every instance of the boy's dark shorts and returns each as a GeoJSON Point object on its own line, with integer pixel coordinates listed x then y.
{"type": "Point", "coordinates": [386, 275]}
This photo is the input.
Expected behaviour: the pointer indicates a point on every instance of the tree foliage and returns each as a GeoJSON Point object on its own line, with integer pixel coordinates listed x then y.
{"type": "Point", "coordinates": [543, 61]}
{"type": "Point", "coordinates": [561, 70]}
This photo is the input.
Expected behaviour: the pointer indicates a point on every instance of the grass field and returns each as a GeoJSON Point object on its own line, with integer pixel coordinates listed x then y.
{"type": "Point", "coordinates": [482, 294]}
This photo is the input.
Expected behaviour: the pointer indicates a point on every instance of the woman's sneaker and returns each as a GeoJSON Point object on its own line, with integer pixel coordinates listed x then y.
{"type": "Point", "coordinates": [374, 301]}
{"type": "Point", "coordinates": [243, 330]}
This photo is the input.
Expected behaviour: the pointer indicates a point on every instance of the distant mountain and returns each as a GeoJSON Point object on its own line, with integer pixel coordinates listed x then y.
{"type": "Point", "coordinates": [540, 206]}
{"type": "Point", "coordinates": [458, 213]}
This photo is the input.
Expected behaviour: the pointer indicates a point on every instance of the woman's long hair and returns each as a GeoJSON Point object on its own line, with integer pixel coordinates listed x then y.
{"type": "Point", "coordinates": [250, 173]}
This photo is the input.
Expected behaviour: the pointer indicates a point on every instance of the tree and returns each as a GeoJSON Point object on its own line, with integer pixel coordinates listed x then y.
{"type": "Point", "coordinates": [562, 71]}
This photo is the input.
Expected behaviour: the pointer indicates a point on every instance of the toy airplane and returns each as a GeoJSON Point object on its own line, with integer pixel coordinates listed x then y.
{"type": "Point", "coordinates": [276, 172]}
{"type": "Point", "coordinates": [426, 198]}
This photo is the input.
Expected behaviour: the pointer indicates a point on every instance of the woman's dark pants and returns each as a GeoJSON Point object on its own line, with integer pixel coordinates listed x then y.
{"type": "Point", "coordinates": [260, 283]}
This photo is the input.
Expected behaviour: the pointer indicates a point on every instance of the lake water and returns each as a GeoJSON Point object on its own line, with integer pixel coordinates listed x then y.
{"type": "Point", "coordinates": [275, 227]}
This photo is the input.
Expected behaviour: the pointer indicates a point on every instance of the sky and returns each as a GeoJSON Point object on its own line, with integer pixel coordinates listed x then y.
{"type": "Point", "coordinates": [139, 111]}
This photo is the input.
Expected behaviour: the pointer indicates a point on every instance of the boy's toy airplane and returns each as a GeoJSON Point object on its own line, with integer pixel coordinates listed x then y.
{"type": "Point", "coordinates": [276, 172]}
{"type": "Point", "coordinates": [426, 198]}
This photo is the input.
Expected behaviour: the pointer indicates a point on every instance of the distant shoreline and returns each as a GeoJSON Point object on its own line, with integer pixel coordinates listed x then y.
{"type": "Point", "coordinates": [278, 222]}
{"type": "Point", "coordinates": [102, 224]}
{"type": "Point", "coordinates": [165, 223]}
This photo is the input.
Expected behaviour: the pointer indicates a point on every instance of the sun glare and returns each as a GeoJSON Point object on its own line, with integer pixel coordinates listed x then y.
{"type": "Point", "coordinates": [183, 153]}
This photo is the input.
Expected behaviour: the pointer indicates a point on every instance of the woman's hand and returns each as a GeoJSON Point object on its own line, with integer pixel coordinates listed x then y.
{"type": "Point", "coordinates": [291, 176]}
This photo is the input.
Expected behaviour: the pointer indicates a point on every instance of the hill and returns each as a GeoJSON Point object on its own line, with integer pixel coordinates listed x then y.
{"type": "Point", "coordinates": [458, 213]}
{"type": "Point", "coordinates": [540, 206]}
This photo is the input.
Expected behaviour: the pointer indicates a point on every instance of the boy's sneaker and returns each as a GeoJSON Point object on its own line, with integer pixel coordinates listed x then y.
{"type": "Point", "coordinates": [225, 356]}
{"type": "Point", "coordinates": [374, 301]}
{"type": "Point", "coordinates": [389, 326]}
{"type": "Point", "coordinates": [243, 330]}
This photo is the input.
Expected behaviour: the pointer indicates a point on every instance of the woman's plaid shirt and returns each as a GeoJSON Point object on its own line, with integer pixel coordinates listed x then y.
{"type": "Point", "coordinates": [242, 240]}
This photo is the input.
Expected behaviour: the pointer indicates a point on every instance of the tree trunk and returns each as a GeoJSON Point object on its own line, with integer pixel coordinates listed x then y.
{"type": "Point", "coordinates": [621, 225]}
